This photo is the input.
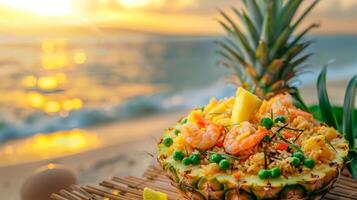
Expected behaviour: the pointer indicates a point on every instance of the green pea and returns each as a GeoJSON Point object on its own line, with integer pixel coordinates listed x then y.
{"type": "Point", "coordinates": [176, 132]}
{"type": "Point", "coordinates": [309, 163]}
{"type": "Point", "coordinates": [178, 155]}
{"type": "Point", "coordinates": [186, 161]}
{"type": "Point", "coordinates": [264, 174]}
{"type": "Point", "coordinates": [267, 138]}
{"type": "Point", "coordinates": [266, 122]}
{"type": "Point", "coordinates": [295, 161]}
{"type": "Point", "coordinates": [224, 164]}
{"type": "Point", "coordinates": [215, 158]}
{"type": "Point", "coordinates": [168, 141]}
{"type": "Point", "coordinates": [195, 159]}
{"type": "Point", "coordinates": [299, 155]}
{"type": "Point", "coordinates": [275, 172]}
{"type": "Point", "coordinates": [280, 118]}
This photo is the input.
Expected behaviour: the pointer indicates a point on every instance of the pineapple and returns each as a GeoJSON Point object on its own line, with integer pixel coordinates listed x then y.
{"type": "Point", "coordinates": [262, 51]}
{"type": "Point", "coordinates": [245, 105]}
{"type": "Point", "coordinates": [265, 57]}
{"type": "Point", "coordinates": [150, 194]}
{"type": "Point", "coordinates": [208, 179]}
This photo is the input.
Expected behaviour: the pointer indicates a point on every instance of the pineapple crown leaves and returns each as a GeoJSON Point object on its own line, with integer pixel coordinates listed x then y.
{"type": "Point", "coordinates": [261, 50]}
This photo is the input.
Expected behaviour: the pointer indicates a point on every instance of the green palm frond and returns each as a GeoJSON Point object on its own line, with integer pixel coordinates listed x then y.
{"type": "Point", "coordinates": [349, 117]}
{"type": "Point", "coordinates": [324, 101]}
{"type": "Point", "coordinates": [346, 115]}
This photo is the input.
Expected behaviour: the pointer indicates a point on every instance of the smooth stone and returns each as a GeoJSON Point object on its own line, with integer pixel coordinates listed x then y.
{"type": "Point", "coordinates": [45, 181]}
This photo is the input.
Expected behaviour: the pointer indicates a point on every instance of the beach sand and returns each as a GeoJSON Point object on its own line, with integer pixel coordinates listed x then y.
{"type": "Point", "coordinates": [127, 148]}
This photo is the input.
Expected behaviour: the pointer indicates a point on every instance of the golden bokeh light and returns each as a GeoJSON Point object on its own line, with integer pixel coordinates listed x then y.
{"type": "Point", "coordinates": [67, 105]}
{"type": "Point", "coordinates": [47, 82]}
{"type": "Point", "coordinates": [36, 100]}
{"type": "Point", "coordinates": [54, 54]}
{"type": "Point", "coordinates": [77, 103]}
{"type": "Point", "coordinates": [72, 104]}
{"type": "Point", "coordinates": [52, 107]}
{"type": "Point", "coordinates": [54, 61]}
{"type": "Point", "coordinates": [54, 57]}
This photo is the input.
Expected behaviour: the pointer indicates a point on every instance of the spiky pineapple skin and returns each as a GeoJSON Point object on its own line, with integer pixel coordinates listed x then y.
{"type": "Point", "coordinates": [189, 190]}
{"type": "Point", "coordinates": [207, 179]}
{"type": "Point", "coordinates": [192, 187]}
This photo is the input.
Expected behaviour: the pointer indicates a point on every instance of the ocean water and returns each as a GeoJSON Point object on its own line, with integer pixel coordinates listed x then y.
{"type": "Point", "coordinates": [50, 83]}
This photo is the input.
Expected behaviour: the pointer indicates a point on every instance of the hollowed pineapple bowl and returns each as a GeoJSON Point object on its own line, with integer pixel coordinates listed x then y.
{"type": "Point", "coordinates": [245, 148]}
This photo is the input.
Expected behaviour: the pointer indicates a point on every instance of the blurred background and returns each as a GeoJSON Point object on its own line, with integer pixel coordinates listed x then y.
{"type": "Point", "coordinates": [78, 75]}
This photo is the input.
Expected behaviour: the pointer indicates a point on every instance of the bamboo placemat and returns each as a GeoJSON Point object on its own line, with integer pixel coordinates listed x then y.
{"type": "Point", "coordinates": [131, 188]}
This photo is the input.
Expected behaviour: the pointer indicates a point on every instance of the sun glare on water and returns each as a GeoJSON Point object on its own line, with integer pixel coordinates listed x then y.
{"type": "Point", "coordinates": [45, 146]}
{"type": "Point", "coordinates": [41, 7]}
{"type": "Point", "coordinates": [134, 3]}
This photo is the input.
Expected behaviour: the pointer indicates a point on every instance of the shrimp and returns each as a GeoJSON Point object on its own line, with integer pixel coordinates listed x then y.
{"type": "Point", "coordinates": [201, 138]}
{"type": "Point", "coordinates": [294, 112]}
{"type": "Point", "coordinates": [277, 105]}
{"type": "Point", "coordinates": [280, 102]}
{"type": "Point", "coordinates": [242, 139]}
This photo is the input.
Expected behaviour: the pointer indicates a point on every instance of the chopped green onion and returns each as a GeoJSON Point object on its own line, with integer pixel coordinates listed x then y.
{"type": "Point", "coordinates": [184, 121]}
{"type": "Point", "coordinates": [224, 155]}
{"type": "Point", "coordinates": [329, 143]}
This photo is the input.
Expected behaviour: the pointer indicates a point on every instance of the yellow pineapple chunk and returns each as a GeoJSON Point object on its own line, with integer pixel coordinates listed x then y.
{"type": "Point", "coordinates": [212, 104]}
{"type": "Point", "coordinates": [150, 194]}
{"type": "Point", "coordinates": [316, 148]}
{"type": "Point", "coordinates": [329, 132]}
{"type": "Point", "coordinates": [245, 105]}
{"type": "Point", "coordinates": [192, 116]}
{"type": "Point", "coordinates": [223, 106]}
{"type": "Point", "coordinates": [179, 143]}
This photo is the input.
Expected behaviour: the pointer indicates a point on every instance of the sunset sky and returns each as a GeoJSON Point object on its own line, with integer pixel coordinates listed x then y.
{"type": "Point", "coordinates": [192, 17]}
